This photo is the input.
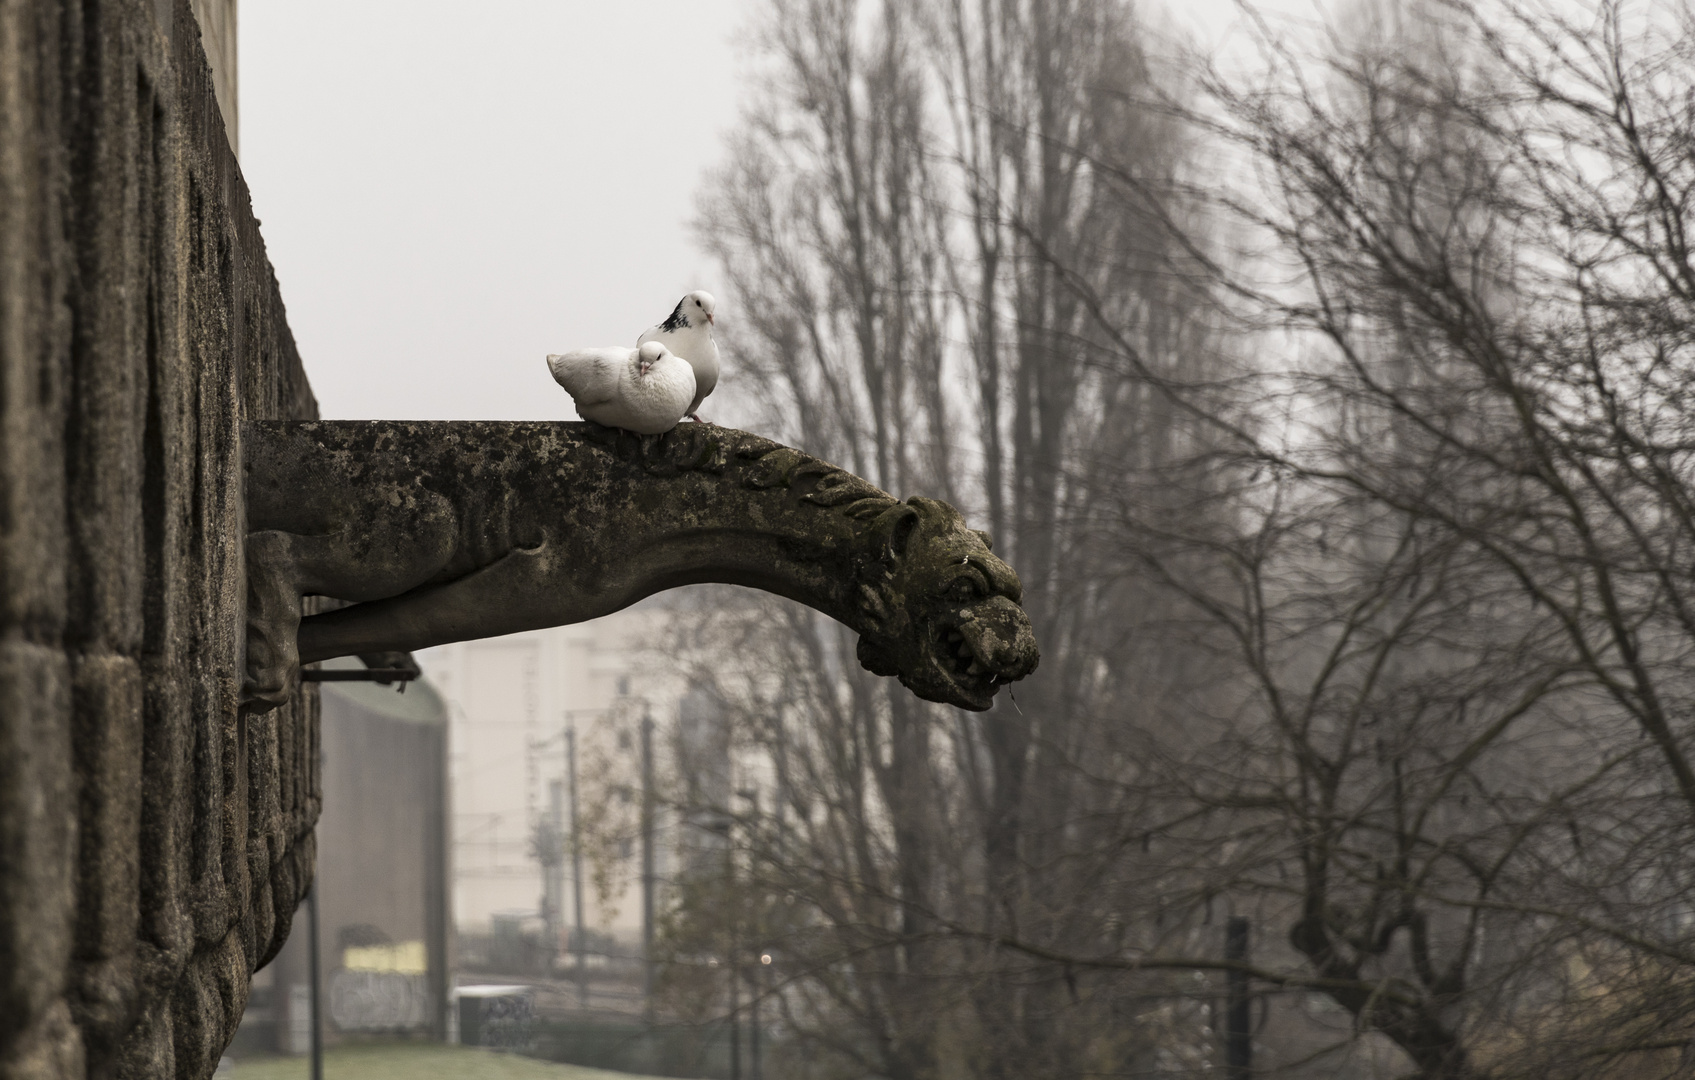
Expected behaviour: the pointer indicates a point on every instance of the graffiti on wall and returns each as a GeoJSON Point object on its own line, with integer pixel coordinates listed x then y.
{"type": "Point", "coordinates": [379, 1000]}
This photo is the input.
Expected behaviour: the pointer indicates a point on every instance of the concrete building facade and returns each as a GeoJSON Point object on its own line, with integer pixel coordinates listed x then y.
{"type": "Point", "coordinates": [384, 941]}
{"type": "Point", "coordinates": [510, 701]}
{"type": "Point", "coordinates": [515, 704]}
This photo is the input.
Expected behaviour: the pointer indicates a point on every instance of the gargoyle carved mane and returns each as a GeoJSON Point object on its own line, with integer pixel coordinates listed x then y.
{"type": "Point", "coordinates": [757, 463]}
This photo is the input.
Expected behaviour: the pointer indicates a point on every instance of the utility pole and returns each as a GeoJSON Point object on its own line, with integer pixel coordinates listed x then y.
{"type": "Point", "coordinates": [438, 890]}
{"type": "Point", "coordinates": [647, 865]}
{"type": "Point", "coordinates": [1238, 1037]}
{"type": "Point", "coordinates": [577, 872]}
{"type": "Point", "coordinates": [553, 865]}
{"type": "Point", "coordinates": [752, 796]}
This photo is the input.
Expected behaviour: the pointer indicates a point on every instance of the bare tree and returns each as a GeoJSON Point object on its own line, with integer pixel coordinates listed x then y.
{"type": "Point", "coordinates": [1456, 569]}
{"type": "Point", "coordinates": [896, 203]}
{"type": "Point", "coordinates": [828, 212]}
{"type": "Point", "coordinates": [1047, 105]}
{"type": "Point", "coordinates": [1378, 632]}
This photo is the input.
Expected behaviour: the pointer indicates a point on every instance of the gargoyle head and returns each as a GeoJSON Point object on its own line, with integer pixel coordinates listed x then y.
{"type": "Point", "coordinates": [940, 610]}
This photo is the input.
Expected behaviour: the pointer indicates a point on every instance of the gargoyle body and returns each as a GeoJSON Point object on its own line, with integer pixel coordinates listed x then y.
{"type": "Point", "coordinates": [439, 532]}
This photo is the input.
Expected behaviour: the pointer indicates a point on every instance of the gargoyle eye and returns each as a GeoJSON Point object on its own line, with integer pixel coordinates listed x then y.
{"type": "Point", "coordinates": [966, 589]}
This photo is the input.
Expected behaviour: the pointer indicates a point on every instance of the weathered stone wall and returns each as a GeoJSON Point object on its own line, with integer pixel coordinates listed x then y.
{"type": "Point", "coordinates": [153, 841]}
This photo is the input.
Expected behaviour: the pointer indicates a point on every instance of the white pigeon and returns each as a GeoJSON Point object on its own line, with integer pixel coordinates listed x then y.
{"type": "Point", "coordinates": [688, 333]}
{"type": "Point", "coordinates": [646, 390]}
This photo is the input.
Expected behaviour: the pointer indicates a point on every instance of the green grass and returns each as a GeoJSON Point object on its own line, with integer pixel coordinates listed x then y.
{"type": "Point", "coordinates": [417, 1061]}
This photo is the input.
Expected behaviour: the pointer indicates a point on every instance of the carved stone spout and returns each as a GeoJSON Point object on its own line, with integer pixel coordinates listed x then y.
{"type": "Point", "coordinates": [440, 532]}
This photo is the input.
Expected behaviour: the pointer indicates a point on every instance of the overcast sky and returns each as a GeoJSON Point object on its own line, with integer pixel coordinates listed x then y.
{"type": "Point", "coordinates": [451, 191]}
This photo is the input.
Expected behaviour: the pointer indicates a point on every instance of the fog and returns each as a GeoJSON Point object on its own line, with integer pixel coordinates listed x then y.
{"type": "Point", "coordinates": [449, 197]}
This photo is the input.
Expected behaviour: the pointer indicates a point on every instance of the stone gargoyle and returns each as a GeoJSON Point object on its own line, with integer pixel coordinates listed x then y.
{"type": "Point", "coordinates": [448, 531]}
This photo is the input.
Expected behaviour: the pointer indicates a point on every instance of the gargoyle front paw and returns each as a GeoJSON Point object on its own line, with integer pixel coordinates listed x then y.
{"type": "Point", "coordinates": [273, 620]}
{"type": "Point", "coordinates": [272, 675]}
{"type": "Point", "coordinates": [256, 697]}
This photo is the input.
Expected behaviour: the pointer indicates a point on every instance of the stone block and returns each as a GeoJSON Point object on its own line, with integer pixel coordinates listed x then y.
{"type": "Point", "coordinates": [165, 923]}
{"type": "Point", "coordinates": [107, 749]}
{"type": "Point", "coordinates": [50, 1050]}
{"type": "Point", "coordinates": [37, 845]}
{"type": "Point", "coordinates": [107, 753]}
{"type": "Point", "coordinates": [148, 1050]}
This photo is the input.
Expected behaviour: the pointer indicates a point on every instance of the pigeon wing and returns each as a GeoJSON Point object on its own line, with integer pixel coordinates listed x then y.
{"type": "Point", "coordinates": [665, 331]}
{"type": "Point", "coordinates": [705, 374]}
{"type": "Point", "coordinates": [590, 376]}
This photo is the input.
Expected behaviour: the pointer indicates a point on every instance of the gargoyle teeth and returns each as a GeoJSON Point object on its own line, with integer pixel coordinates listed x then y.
{"type": "Point", "coordinates": [975, 668]}
{"type": "Point", "coordinates": [964, 651]}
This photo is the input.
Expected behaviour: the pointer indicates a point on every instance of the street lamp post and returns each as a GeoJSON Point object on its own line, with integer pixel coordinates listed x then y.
{"type": "Point", "coordinates": [1238, 1033]}
{"type": "Point", "coordinates": [764, 990]}
{"type": "Point", "coordinates": [752, 796]}
{"type": "Point", "coordinates": [753, 1033]}
{"type": "Point", "coordinates": [315, 974]}
{"type": "Point", "coordinates": [725, 828]}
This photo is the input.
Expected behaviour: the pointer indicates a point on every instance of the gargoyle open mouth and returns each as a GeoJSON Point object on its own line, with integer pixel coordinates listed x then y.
{"type": "Point", "coordinates": [977, 649]}
{"type": "Point", "coordinates": [962, 663]}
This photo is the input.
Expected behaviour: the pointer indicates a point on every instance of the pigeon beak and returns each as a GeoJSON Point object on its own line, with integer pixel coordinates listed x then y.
{"type": "Point", "coordinates": [710, 319]}
{"type": "Point", "coordinates": [645, 367]}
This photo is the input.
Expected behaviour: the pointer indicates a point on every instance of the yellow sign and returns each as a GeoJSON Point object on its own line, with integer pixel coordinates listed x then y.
{"type": "Point", "coordinates": [406, 957]}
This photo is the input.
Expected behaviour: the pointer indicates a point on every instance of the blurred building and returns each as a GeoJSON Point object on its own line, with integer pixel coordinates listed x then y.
{"type": "Point", "coordinates": [385, 928]}
{"type": "Point", "coordinates": [516, 705]}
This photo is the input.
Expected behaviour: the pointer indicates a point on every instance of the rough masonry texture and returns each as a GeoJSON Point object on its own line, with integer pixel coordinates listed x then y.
{"type": "Point", "coordinates": [447, 531]}
{"type": "Point", "coordinates": [153, 840]}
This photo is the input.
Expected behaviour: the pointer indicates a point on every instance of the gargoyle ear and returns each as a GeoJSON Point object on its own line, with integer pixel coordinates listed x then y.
{"type": "Point", "coordinates": [988, 541]}
{"type": "Point", "coordinates": [895, 528]}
